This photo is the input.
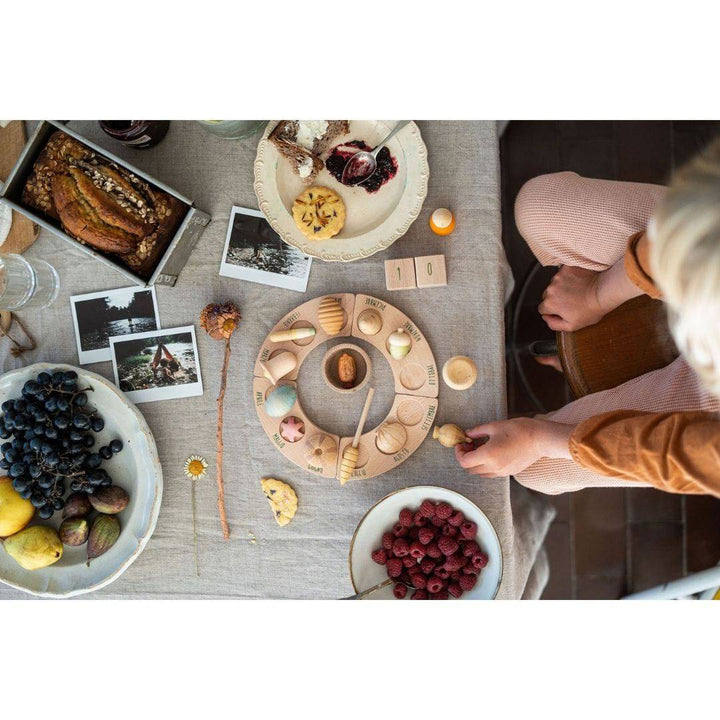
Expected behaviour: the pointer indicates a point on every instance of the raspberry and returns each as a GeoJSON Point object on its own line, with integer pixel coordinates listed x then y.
{"type": "Point", "coordinates": [443, 510]}
{"type": "Point", "coordinates": [400, 591]}
{"type": "Point", "coordinates": [442, 595]}
{"type": "Point", "coordinates": [455, 590]}
{"type": "Point", "coordinates": [427, 508]}
{"type": "Point", "coordinates": [447, 545]}
{"type": "Point", "coordinates": [436, 521]}
{"type": "Point", "coordinates": [455, 575]}
{"type": "Point", "coordinates": [449, 531]}
{"type": "Point", "coordinates": [442, 572]}
{"type": "Point", "coordinates": [434, 584]}
{"type": "Point", "coordinates": [433, 550]}
{"type": "Point", "coordinates": [470, 548]}
{"type": "Point", "coordinates": [419, 520]}
{"type": "Point", "coordinates": [425, 535]}
{"type": "Point", "coordinates": [419, 594]}
{"type": "Point", "coordinates": [412, 533]}
{"type": "Point", "coordinates": [409, 562]}
{"type": "Point", "coordinates": [418, 580]}
{"type": "Point", "coordinates": [394, 567]}
{"type": "Point", "coordinates": [427, 565]}
{"type": "Point", "coordinates": [400, 547]}
{"type": "Point", "coordinates": [406, 517]}
{"type": "Point", "coordinates": [417, 550]}
{"type": "Point", "coordinates": [399, 530]}
{"type": "Point", "coordinates": [467, 582]}
{"type": "Point", "coordinates": [456, 519]}
{"type": "Point", "coordinates": [454, 562]}
{"type": "Point", "coordinates": [480, 560]}
{"type": "Point", "coordinates": [468, 530]}
{"type": "Point", "coordinates": [379, 556]}
{"type": "Point", "coordinates": [469, 569]}
{"type": "Point", "coordinates": [388, 539]}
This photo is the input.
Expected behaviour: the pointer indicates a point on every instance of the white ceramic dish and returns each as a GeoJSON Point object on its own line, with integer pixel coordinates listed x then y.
{"type": "Point", "coordinates": [364, 573]}
{"type": "Point", "coordinates": [374, 221]}
{"type": "Point", "coordinates": [136, 468]}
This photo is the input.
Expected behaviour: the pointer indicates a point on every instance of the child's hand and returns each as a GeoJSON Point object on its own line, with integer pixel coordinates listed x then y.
{"type": "Point", "coordinates": [513, 445]}
{"type": "Point", "coordinates": [570, 301]}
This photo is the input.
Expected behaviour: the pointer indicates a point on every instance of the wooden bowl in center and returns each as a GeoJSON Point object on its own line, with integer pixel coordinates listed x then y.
{"type": "Point", "coordinates": [363, 367]}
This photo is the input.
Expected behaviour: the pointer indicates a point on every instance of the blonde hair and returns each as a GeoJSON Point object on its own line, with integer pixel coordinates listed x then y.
{"type": "Point", "coordinates": [685, 258]}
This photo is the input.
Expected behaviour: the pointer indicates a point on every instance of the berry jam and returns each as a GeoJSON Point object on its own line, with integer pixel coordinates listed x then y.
{"type": "Point", "coordinates": [386, 164]}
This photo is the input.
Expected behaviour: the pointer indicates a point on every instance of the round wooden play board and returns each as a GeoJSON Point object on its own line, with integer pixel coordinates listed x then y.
{"type": "Point", "coordinates": [416, 388]}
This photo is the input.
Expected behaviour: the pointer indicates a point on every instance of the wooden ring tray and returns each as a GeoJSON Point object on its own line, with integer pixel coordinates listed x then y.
{"type": "Point", "coordinates": [416, 387]}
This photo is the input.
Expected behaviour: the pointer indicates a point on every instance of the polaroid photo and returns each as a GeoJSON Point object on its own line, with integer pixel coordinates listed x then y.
{"type": "Point", "coordinates": [255, 252]}
{"type": "Point", "coordinates": [157, 365]}
{"type": "Point", "coordinates": [101, 315]}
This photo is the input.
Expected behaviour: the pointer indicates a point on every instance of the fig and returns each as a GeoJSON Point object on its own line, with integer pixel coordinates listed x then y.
{"type": "Point", "coordinates": [103, 535]}
{"type": "Point", "coordinates": [74, 531]}
{"type": "Point", "coordinates": [77, 505]}
{"type": "Point", "coordinates": [110, 500]}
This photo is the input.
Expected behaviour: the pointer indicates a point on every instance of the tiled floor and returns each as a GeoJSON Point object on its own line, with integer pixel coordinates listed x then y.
{"type": "Point", "coordinates": [604, 542]}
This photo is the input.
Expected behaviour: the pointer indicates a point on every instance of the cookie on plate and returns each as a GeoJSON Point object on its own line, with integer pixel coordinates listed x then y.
{"type": "Point", "coordinates": [282, 499]}
{"type": "Point", "coordinates": [319, 213]}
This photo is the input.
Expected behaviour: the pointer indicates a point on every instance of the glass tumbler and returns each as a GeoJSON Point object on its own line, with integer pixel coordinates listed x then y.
{"type": "Point", "coordinates": [26, 284]}
{"type": "Point", "coordinates": [233, 129]}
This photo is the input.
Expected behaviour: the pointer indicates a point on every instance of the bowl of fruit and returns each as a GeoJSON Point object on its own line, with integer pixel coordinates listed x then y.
{"type": "Point", "coordinates": [80, 481]}
{"type": "Point", "coordinates": [426, 543]}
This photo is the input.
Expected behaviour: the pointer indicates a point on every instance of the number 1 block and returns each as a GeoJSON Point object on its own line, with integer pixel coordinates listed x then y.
{"type": "Point", "coordinates": [430, 271]}
{"type": "Point", "coordinates": [400, 274]}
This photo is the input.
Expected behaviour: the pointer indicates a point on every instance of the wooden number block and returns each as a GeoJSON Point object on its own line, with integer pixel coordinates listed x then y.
{"type": "Point", "coordinates": [400, 274]}
{"type": "Point", "coordinates": [430, 271]}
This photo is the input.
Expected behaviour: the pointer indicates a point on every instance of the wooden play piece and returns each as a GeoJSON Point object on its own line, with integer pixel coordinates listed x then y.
{"type": "Point", "coordinates": [351, 453]}
{"type": "Point", "coordinates": [442, 221]}
{"type": "Point", "coordinates": [399, 344]}
{"type": "Point", "coordinates": [390, 437]}
{"type": "Point", "coordinates": [450, 435]}
{"type": "Point", "coordinates": [415, 378]}
{"type": "Point", "coordinates": [279, 365]}
{"type": "Point", "coordinates": [331, 366]}
{"type": "Point", "coordinates": [400, 274]}
{"type": "Point", "coordinates": [294, 334]}
{"type": "Point", "coordinates": [331, 316]}
{"type": "Point", "coordinates": [460, 372]}
{"type": "Point", "coordinates": [430, 271]}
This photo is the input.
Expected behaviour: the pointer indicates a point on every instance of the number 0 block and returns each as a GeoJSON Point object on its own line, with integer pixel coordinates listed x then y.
{"type": "Point", "coordinates": [430, 271]}
{"type": "Point", "coordinates": [400, 274]}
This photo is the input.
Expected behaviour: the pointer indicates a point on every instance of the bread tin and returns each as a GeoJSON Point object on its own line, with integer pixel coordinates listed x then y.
{"type": "Point", "coordinates": [178, 250]}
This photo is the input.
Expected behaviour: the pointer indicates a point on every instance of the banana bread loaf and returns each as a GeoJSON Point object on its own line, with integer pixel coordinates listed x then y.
{"type": "Point", "coordinates": [101, 204]}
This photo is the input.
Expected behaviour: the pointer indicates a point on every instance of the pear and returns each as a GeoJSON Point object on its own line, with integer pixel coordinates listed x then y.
{"type": "Point", "coordinates": [15, 511]}
{"type": "Point", "coordinates": [35, 547]}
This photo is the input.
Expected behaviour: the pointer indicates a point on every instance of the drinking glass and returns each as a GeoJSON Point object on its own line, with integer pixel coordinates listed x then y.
{"type": "Point", "coordinates": [232, 129]}
{"type": "Point", "coordinates": [26, 284]}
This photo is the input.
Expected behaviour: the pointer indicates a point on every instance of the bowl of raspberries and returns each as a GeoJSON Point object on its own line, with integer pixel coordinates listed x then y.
{"type": "Point", "coordinates": [434, 544]}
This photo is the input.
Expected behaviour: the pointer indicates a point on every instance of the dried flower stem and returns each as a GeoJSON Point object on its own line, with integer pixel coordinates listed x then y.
{"type": "Point", "coordinates": [220, 446]}
{"type": "Point", "coordinates": [195, 535]}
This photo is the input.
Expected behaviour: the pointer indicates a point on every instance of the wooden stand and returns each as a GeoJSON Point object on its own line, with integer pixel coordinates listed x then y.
{"type": "Point", "coordinates": [415, 378]}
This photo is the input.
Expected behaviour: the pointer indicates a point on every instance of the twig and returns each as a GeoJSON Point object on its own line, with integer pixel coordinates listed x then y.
{"type": "Point", "coordinates": [220, 446]}
{"type": "Point", "coordinates": [195, 535]}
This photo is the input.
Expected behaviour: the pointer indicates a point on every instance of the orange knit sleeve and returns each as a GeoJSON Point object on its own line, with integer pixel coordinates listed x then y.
{"type": "Point", "coordinates": [637, 264]}
{"type": "Point", "coordinates": [677, 452]}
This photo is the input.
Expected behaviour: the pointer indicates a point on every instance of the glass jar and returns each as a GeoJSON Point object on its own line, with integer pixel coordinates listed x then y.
{"type": "Point", "coordinates": [233, 129]}
{"type": "Point", "coordinates": [139, 134]}
{"type": "Point", "coordinates": [26, 284]}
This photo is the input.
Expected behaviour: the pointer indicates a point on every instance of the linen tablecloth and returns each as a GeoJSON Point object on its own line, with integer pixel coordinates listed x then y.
{"type": "Point", "coordinates": [308, 558]}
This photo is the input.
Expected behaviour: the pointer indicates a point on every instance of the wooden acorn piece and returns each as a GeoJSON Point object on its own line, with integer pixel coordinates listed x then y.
{"type": "Point", "coordinates": [320, 450]}
{"type": "Point", "coordinates": [399, 344]}
{"type": "Point", "coordinates": [390, 438]}
{"type": "Point", "coordinates": [331, 316]}
{"type": "Point", "coordinates": [450, 435]}
{"type": "Point", "coordinates": [369, 322]}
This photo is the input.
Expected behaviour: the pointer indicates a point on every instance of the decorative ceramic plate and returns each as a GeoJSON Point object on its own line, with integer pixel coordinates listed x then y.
{"type": "Point", "coordinates": [364, 573]}
{"type": "Point", "coordinates": [375, 220]}
{"type": "Point", "coordinates": [136, 469]}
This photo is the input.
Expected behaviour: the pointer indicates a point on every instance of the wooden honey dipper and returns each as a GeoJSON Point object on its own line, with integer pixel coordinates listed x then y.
{"type": "Point", "coordinates": [351, 453]}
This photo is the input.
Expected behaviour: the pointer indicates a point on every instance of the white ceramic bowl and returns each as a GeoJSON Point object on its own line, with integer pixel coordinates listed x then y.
{"type": "Point", "coordinates": [374, 221]}
{"type": "Point", "coordinates": [364, 573]}
{"type": "Point", "coordinates": [136, 469]}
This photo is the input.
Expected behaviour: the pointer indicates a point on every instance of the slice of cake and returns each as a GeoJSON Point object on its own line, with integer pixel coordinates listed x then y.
{"type": "Point", "coordinates": [302, 142]}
